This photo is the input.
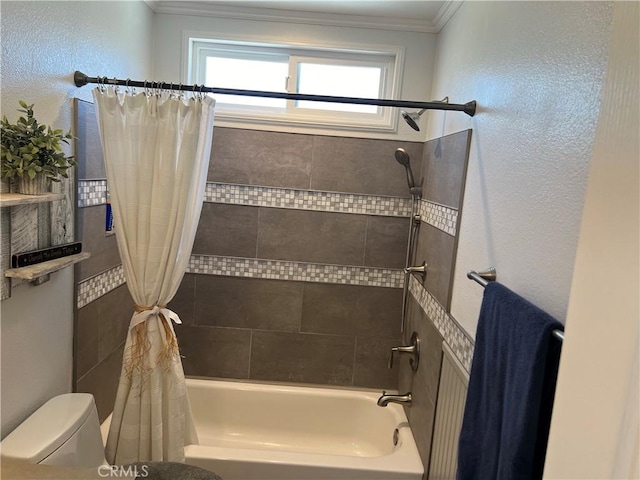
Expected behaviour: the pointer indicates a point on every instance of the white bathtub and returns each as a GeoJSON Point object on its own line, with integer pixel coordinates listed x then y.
{"type": "Point", "coordinates": [254, 431]}
{"type": "Point", "coordinates": [250, 431]}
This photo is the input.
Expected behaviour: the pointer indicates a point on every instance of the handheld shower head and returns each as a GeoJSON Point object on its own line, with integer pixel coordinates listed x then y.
{"type": "Point", "coordinates": [402, 157]}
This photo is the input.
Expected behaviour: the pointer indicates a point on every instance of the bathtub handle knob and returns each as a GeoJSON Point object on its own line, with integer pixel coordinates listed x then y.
{"type": "Point", "coordinates": [413, 350]}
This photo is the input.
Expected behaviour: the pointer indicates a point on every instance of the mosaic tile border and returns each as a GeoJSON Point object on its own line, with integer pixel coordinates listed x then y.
{"type": "Point", "coordinates": [296, 271]}
{"type": "Point", "coordinates": [307, 200]}
{"type": "Point", "coordinates": [95, 287]}
{"type": "Point", "coordinates": [92, 192]}
{"type": "Point", "coordinates": [442, 217]}
{"type": "Point", "coordinates": [448, 327]}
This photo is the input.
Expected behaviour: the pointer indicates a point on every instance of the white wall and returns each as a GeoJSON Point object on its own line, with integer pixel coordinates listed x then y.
{"type": "Point", "coordinates": [43, 43]}
{"type": "Point", "coordinates": [536, 70]}
{"type": "Point", "coordinates": [594, 432]}
{"type": "Point", "coordinates": [168, 58]}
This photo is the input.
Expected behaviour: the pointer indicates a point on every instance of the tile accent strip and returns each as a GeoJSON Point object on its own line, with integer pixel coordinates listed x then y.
{"type": "Point", "coordinates": [448, 327]}
{"type": "Point", "coordinates": [307, 200]}
{"type": "Point", "coordinates": [95, 287]}
{"type": "Point", "coordinates": [296, 271]}
{"type": "Point", "coordinates": [439, 216]}
{"type": "Point", "coordinates": [92, 192]}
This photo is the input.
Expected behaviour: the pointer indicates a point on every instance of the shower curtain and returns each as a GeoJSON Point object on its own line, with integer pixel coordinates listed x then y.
{"type": "Point", "coordinates": [156, 151]}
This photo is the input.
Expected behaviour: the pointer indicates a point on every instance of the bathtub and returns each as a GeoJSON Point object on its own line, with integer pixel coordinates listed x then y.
{"type": "Point", "coordinates": [251, 431]}
{"type": "Point", "coordinates": [254, 431]}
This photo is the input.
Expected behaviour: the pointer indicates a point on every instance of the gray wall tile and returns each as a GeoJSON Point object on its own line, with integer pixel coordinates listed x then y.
{"type": "Point", "coordinates": [103, 248]}
{"type": "Point", "coordinates": [430, 362]}
{"type": "Point", "coordinates": [386, 243]}
{"type": "Point", "coordinates": [371, 364]}
{"type": "Point", "coordinates": [360, 165]}
{"type": "Point", "coordinates": [307, 358]}
{"type": "Point", "coordinates": [352, 310]}
{"type": "Point", "coordinates": [319, 237]}
{"type": "Point", "coordinates": [445, 168]}
{"type": "Point", "coordinates": [183, 302]}
{"type": "Point", "coordinates": [227, 230]}
{"type": "Point", "coordinates": [102, 382]}
{"type": "Point", "coordinates": [254, 157]}
{"type": "Point", "coordinates": [438, 250]}
{"type": "Point", "coordinates": [88, 149]}
{"type": "Point", "coordinates": [214, 352]}
{"type": "Point", "coordinates": [422, 413]}
{"type": "Point", "coordinates": [116, 309]}
{"type": "Point", "coordinates": [423, 384]}
{"type": "Point", "coordinates": [248, 303]}
{"type": "Point", "coordinates": [88, 319]}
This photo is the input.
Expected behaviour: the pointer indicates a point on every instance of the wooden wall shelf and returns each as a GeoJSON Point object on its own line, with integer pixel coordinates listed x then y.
{"type": "Point", "coordinates": [13, 199]}
{"type": "Point", "coordinates": [33, 272]}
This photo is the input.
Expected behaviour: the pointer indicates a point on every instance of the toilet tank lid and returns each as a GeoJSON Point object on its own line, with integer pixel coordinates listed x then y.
{"type": "Point", "coordinates": [48, 427]}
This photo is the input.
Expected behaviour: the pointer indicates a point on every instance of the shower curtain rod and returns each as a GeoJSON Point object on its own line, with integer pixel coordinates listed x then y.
{"type": "Point", "coordinates": [80, 79]}
{"type": "Point", "coordinates": [489, 275]}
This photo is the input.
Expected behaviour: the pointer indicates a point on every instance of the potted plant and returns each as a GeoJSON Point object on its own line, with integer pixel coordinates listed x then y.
{"type": "Point", "coordinates": [32, 153]}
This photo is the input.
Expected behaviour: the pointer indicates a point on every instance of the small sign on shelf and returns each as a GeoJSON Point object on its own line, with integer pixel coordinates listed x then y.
{"type": "Point", "coordinates": [43, 255]}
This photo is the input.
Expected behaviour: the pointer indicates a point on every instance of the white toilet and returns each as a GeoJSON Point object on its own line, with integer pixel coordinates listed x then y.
{"type": "Point", "coordinates": [65, 431]}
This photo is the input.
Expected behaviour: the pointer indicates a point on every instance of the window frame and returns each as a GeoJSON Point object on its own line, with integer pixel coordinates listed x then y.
{"type": "Point", "coordinates": [390, 59]}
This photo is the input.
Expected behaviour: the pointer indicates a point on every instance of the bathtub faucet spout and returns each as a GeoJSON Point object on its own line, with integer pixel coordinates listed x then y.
{"type": "Point", "coordinates": [385, 399]}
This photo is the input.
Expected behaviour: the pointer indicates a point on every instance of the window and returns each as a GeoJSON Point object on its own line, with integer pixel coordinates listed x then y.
{"type": "Point", "coordinates": [344, 72]}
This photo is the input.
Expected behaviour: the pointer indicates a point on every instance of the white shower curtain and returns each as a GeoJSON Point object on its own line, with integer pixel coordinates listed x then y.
{"type": "Point", "coordinates": [156, 151]}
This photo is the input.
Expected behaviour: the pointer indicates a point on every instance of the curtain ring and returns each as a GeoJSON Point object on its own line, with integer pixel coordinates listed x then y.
{"type": "Point", "coordinates": [127, 89]}
{"type": "Point", "coordinates": [117, 87]}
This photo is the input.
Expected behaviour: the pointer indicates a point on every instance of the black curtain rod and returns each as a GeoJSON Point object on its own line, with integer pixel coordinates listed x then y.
{"type": "Point", "coordinates": [80, 79]}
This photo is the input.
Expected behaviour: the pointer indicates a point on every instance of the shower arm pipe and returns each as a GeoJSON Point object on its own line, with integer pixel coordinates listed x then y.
{"type": "Point", "coordinates": [489, 275]}
{"type": "Point", "coordinates": [80, 79]}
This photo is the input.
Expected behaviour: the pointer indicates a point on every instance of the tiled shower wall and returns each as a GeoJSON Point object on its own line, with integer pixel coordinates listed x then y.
{"type": "Point", "coordinates": [104, 306]}
{"type": "Point", "coordinates": [296, 269]}
{"type": "Point", "coordinates": [443, 178]}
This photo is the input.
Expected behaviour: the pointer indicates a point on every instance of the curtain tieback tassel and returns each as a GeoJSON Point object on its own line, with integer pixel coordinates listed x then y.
{"type": "Point", "coordinates": [140, 343]}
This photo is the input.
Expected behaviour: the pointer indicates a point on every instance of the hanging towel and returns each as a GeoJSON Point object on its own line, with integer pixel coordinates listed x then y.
{"type": "Point", "coordinates": [507, 415]}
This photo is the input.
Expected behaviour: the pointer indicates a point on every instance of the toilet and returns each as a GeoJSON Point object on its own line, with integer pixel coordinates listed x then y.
{"type": "Point", "coordinates": [65, 431]}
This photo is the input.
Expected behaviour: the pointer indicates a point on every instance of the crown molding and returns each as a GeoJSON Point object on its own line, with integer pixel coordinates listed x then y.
{"type": "Point", "coordinates": [445, 13]}
{"type": "Point", "coordinates": [303, 17]}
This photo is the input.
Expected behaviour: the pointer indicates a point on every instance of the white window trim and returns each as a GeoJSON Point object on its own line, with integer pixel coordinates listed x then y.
{"type": "Point", "coordinates": [317, 119]}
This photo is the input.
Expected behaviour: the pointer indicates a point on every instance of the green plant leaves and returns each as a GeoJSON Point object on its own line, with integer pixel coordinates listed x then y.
{"type": "Point", "coordinates": [31, 148]}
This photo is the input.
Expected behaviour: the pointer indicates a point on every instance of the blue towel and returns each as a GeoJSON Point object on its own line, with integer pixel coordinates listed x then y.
{"type": "Point", "coordinates": [507, 415]}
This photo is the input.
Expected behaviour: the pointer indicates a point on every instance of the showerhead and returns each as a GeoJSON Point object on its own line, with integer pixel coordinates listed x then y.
{"type": "Point", "coordinates": [412, 119]}
{"type": "Point", "coordinates": [402, 157]}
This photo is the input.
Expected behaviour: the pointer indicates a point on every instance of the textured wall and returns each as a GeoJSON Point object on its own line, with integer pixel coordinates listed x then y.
{"type": "Point", "coordinates": [536, 70]}
{"type": "Point", "coordinates": [596, 418]}
{"type": "Point", "coordinates": [42, 44]}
